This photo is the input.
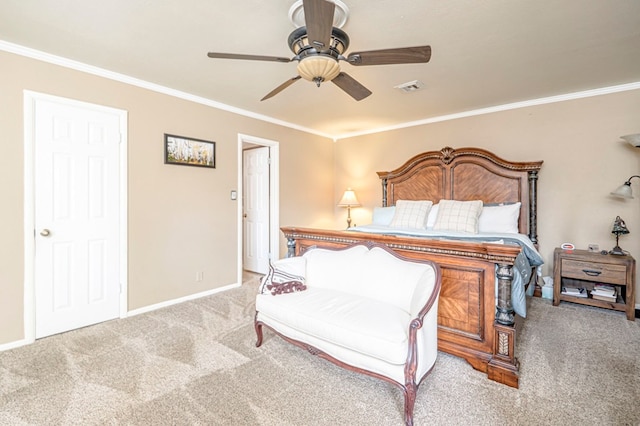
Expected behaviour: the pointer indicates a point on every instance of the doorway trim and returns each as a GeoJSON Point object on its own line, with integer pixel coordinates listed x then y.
{"type": "Point", "coordinates": [29, 99]}
{"type": "Point", "coordinates": [274, 196]}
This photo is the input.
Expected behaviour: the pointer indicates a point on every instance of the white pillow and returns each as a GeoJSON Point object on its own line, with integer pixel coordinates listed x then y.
{"type": "Point", "coordinates": [411, 214]}
{"type": "Point", "coordinates": [461, 216]}
{"type": "Point", "coordinates": [500, 219]}
{"type": "Point", "coordinates": [433, 214]}
{"type": "Point", "coordinates": [383, 215]}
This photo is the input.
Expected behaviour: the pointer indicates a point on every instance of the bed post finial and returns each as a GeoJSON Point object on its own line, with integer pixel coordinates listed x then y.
{"type": "Point", "coordinates": [291, 246]}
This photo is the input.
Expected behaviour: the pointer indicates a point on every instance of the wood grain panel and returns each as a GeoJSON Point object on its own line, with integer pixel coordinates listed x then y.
{"type": "Point", "coordinates": [460, 307]}
{"type": "Point", "coordinates": [424, 184]}
{"type": "Point", "coordinates": [477, 182]}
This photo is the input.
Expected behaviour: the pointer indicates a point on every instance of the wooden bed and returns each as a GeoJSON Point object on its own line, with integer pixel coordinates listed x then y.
{"type": "Point", "coordinates": [472, 324]}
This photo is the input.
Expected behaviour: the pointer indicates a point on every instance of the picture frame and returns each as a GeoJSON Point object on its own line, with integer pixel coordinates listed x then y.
{"type": "Point", "coordinates": [185, 151]}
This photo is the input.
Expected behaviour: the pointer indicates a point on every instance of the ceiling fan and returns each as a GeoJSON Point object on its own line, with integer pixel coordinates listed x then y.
{"type": "Point", "coordinates": [319, 46]}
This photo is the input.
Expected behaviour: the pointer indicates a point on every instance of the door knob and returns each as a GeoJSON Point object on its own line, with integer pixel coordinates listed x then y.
{"type": "Point", "coordinates": [45, 232]}
{"type": "Point", "coordinates": [244, 215]}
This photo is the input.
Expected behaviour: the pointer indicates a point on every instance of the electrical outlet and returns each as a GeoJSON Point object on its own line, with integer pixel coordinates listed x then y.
{"type": "Point", "coordinates": [594, 247]}
{"type": "Point", "coordinates": [199, 276]}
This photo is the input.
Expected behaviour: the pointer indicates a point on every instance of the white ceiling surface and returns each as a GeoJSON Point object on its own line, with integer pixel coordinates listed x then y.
{"type": "Point", "coordinates": [485, 53]}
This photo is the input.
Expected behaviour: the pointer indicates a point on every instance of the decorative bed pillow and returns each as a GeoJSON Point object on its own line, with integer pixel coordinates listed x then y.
{"type": "Point", "coordinates": [461, 216]}
{"type": "Point", "coordinates": [383, 215]}
{"type": "Point", "coordinates": [411, 214]}
{"type": "Point", "coordinates": [500, 219]}
{"type": "Point", "coordinates": [433, 214]}
{"type": "Point", "coordinates": [285, 276]}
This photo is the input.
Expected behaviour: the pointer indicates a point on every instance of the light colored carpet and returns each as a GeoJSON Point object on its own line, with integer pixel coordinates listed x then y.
{"type": "Point", "coordinates": [196, 364]}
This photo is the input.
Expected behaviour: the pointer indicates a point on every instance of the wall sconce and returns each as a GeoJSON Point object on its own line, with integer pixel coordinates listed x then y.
{"type": "Point", "coordinates": [349, 200]}
{"type": "Point", "coordinates": [624, 190]}
{"type": "Point", "coordinates": [634, 139]}
{"type": "Point", "coordinates": [619, 228]}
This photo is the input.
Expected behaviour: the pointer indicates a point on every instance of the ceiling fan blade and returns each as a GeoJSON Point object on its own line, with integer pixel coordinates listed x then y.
{"type": "Point", "coordinates": [318, 16]}
{"type": "Point", "coordinates": [281, 87]}
{"type": "Point", "coordinates": [247, 57]}
{"type": "Point", "coordinates": [403, 55]}
{"type": "Point", "coordinates": [354, 89]}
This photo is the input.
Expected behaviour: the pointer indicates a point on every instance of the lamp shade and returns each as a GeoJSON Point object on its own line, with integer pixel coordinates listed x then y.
{"type": "Point", "coordinates": [349, 199]}
{"type": "Point", "coordinates": [619, 227]}
{"type": "Point", "coordinates": [634, 140]}
{"type": "Point", "coordinates": [624, 190]}
{"type": "Point", "coordinates": [318, 68]}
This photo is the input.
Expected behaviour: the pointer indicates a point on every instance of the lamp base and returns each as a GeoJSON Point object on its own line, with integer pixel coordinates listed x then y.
{"type": "Point", "coordinates": [618, 251]}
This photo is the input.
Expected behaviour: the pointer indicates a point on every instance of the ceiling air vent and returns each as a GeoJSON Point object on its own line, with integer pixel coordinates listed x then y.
{"type": "Point", "coordinates": [410, 86]}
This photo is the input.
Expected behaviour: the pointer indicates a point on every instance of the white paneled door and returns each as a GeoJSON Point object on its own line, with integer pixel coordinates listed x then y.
{"type": "Point", "coordinates": [76, 217]}
{"type": "Point", "coordinates": [256, 209]}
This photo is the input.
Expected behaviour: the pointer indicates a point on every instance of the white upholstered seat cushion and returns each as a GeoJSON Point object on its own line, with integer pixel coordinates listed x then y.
{"type": "Point", "coordinates": [367, 326]}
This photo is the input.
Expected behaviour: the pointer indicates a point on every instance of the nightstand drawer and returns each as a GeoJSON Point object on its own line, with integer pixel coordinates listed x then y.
{"type": "Point", "coordinates": [590, 271]}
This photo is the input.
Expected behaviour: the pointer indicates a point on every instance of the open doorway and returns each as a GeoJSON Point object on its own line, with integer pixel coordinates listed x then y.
{"type": "Point", "coordinates": [258, 201]}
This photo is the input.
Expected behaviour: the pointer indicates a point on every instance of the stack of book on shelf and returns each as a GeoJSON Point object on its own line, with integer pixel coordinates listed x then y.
{"type": "Point", "coordinates": [574, 291]}
{"type": "Point", "coordinates": [604, 292]}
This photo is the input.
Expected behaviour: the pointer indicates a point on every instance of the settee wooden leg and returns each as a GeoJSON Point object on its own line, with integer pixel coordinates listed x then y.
{"type": "Point", "coordinates": [258, 327]}
{"type": "Point", "coordinates": [409, 402]}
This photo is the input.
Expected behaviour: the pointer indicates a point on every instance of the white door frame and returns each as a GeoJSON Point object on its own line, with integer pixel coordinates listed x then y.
{"type": "Point", "coordinates": [30, 99]}
{"type": "Point", "coordinates": [274, 197]}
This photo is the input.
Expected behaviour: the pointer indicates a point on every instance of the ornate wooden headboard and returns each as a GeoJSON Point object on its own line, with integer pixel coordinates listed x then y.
{"type": "Point", "coordinates": [466, 174]}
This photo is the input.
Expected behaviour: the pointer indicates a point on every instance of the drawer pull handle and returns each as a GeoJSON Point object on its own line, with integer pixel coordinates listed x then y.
{"type": "Point", "coordinates": [591, 272]}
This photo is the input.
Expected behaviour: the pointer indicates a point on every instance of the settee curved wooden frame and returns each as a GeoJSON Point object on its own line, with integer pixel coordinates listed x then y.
{"type": "Point", "coordinates": [411, 381]}
{"type": "Point", "coordinates": [473, 323]}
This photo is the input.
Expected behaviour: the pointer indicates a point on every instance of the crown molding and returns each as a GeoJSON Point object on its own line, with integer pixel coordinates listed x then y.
{"type": "Point", "coordinates": [499, 108]}
{"type": "Point", "coordinates": [101, 72]}
{"type": "Point", "coordinates": [122, 78]}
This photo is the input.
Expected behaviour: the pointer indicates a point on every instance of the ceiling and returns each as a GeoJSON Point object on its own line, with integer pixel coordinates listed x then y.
{"type": "Point", "coordinates": [485, 54]}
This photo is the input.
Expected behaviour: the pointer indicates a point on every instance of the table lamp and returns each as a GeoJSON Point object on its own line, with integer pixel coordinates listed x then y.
{"type": "Point", "coordinates": [349, 200]}
{"type": "Point", "coordinates": [619, 228]}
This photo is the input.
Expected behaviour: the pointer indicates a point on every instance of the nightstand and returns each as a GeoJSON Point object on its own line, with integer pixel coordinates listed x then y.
{"type": "Point", "coordinates": [582, 268]}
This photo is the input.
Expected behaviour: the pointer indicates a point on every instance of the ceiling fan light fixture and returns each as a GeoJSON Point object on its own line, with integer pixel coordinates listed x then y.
{"type": "Point", "coordinates": [318, 68]}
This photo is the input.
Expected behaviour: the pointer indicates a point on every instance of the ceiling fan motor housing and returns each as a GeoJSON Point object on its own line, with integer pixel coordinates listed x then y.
{"type": "Point", "coordinates": [315, 64]}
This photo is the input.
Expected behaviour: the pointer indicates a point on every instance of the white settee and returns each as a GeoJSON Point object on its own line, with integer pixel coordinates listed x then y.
{"type": "Point", "coordinates": [364, 308]}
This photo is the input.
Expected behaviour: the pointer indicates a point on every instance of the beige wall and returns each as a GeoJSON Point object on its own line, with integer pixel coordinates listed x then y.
{"type": "Point", "coordinates": [584, 160]}
{"type": "Point", "coordinates": [578, 141]}
{"type": "Point", "coordinates": [181, 219]}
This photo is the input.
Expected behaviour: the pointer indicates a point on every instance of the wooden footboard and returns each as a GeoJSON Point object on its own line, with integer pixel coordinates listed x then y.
{"type": "Point", "coordinates": [472, 322]}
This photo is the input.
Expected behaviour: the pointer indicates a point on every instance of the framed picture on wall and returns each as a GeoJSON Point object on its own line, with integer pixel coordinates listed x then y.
{"type": "Point", "coordinates": [185, 151]}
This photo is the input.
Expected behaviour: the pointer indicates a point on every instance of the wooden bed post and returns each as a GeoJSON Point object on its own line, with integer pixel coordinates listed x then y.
{"type": "Point", "coordinates": [504, 310]}
{"type": "Point", "coordinates": [533, 207]}
{"type": "Point", "coordinates": [384, 192]}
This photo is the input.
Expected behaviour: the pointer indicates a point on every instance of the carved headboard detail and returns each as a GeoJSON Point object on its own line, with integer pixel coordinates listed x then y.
{"type": "Point", "coordinates": [466, 174]}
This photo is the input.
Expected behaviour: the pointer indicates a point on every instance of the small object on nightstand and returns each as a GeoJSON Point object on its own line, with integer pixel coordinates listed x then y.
{"type": "Point", "coordinates": [568, 247]}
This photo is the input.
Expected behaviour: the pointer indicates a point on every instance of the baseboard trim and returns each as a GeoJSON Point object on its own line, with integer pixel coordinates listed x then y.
{"type": "Point", "coordinates": [15, 344]}
{"type": "Point", "coordinates": [157, 306]}
{"type": "Point", "coordinates": [24, 342]}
